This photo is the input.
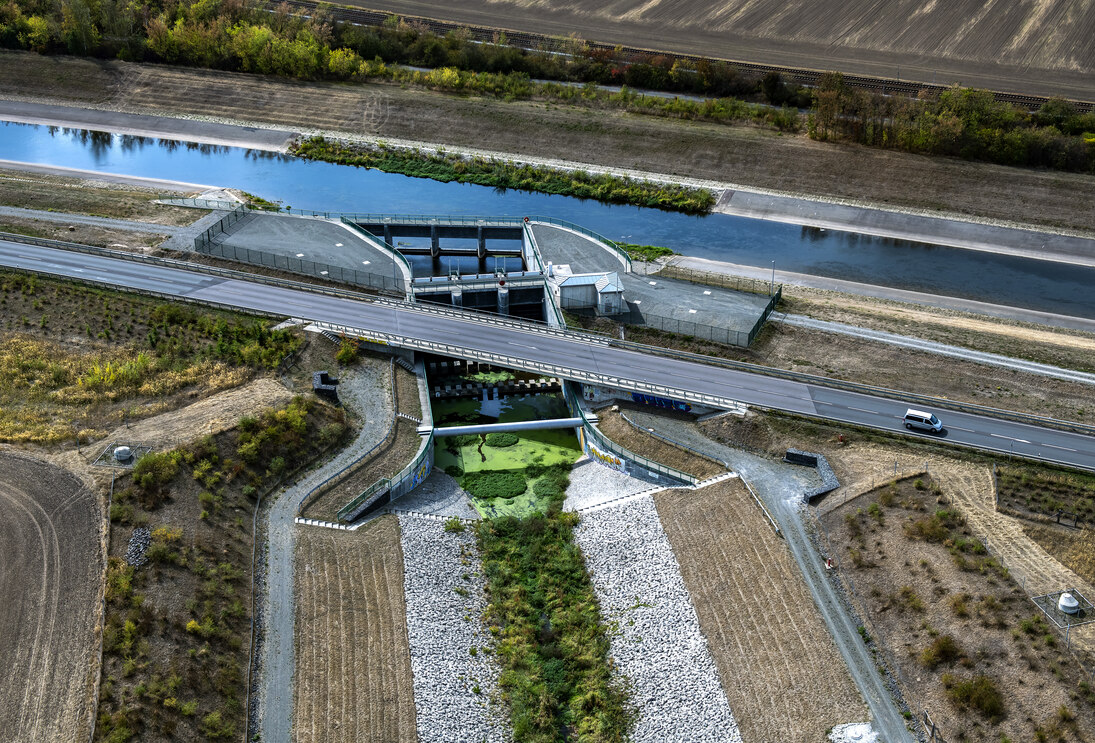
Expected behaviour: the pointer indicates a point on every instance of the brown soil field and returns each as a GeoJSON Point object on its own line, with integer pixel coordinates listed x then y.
{"type": "Point", "coordinates": [84, 234]}
{"type": "Point", "coordinates": [51, 577]}
{"type": "Point", "coordinates": [1020, 47]}
{"type": "Point", "coordinates": [407, 397]}
{"type": "Point", "coordinates": [946, 612]}
{"type": "Point", "coordinates": [743, 155]}
{"type": "Point", "coordinates": [353, 672]}
{"type": "Point", "coordinates": [782, 674]}
{"type": "Point", "coordinates": [89, 196]}
{"type": "Point", "coordinates": [612, 425]}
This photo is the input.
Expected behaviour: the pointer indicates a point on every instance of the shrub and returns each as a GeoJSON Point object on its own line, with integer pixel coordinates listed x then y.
{"type": "Point", "coordinates": [944, 649]}
{"type": "Point", "coordinates": [501, 439]}
{"type": "Point", "coordinates": [978, 693]}
{"type": "Point", "coordinates": [546, 487]}
{"type": "Point", "coordinates": [454, 470]}
{"type": "Point", "coordinates": [454, 526]}
{"type": "Point", "coordinates": [153, 471]}
{"type": "Point", "coordinates": [495, 484]}
{"type": "Point", "coordinates": [347, 352]}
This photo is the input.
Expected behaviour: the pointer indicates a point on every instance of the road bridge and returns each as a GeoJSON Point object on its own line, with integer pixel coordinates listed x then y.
{"type": "Point", "coordinates": [566, 354]}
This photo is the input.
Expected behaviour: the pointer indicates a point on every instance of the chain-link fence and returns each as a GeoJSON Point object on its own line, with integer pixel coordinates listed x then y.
{"type": "Point", "coordinates": [381, 282]}
{"type": "Point", "coordinates": [725, 281]}
{"type": "Point", "coordinates": [714, 333]}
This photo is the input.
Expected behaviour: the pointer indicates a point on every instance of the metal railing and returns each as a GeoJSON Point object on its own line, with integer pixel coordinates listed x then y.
{"type": "Point", "coordinates": [621, 254]}
{"type": "Point", "coordinates": [715, 334]}
{"type": "Point", "coordinates": [370, 237]}
{"type": "Point", "coordinates": [604, 443]}
{"type": "Point", "coordinates": [412, 474]}
{"type": "Point", "coordinates": [725, 281]}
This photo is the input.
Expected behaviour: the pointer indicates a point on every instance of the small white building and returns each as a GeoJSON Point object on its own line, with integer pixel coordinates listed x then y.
{"type": "Point", "coordinates": [602, 292]}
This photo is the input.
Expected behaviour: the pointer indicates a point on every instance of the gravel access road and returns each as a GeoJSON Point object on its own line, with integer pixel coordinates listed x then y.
{"type": "Point", "coordinates": [366, 393]}
{"type": "Point", "coordinates": [780, 487]}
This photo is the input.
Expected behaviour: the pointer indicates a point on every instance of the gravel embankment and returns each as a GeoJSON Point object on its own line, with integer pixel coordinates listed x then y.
{"type": "Point", "coordinates": [135, 551]}
{"type": "Point", "coordinates": [453, 688]}
{"type": "Point", "coordinates": [366, 394]}
{"type": "Point", "coordinates": [440, 495]}
{"type": "Point", "coordinates": [593, 484]}
{"type": "Point", "coordinates": [658, 645]}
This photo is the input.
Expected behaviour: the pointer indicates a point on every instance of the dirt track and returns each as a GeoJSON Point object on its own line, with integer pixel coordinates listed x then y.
{"type": "Point", "coordinates": [51, 572]}
{"type": "Point", "coordinates": [353, 679]}
{"type": "Point", "coordinates": [784, 678]}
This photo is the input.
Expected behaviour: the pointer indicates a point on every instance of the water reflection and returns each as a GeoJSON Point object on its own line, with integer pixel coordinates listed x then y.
{"type": "Point", "coordinates": [275, 176]}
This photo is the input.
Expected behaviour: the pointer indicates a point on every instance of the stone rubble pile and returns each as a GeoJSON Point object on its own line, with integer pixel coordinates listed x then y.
{"type": "Point", "coordinates": [656, 644]}
{"type": "Point", "coordinates": [455, 691]}
{"type": "Point", "coordinates": [138, 546]}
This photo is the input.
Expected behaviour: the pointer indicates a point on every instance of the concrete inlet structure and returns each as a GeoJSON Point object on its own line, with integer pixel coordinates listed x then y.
{"type": "Point", "coordinates": [435, 228]}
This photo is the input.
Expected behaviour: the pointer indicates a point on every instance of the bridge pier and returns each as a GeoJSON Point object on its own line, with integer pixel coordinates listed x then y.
{"type": "Point", "coordinates": [388, 234]}
{"type": "Point", "coordinates": [482, 243]}
{"type": "Point", "coordinates": [435, 240]}
{"type": "Point", "coordinates": [503, 300]}
{"type": "Point", "coordinates": [457, 297]}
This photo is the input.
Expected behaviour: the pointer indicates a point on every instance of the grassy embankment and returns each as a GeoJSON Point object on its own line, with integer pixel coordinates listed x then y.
{"type": "Point", "coordinates": [79, 358]}
{"type": "Point", "coordinates": [447, 167]}
{"type": "Point", "coordinates": [176, 635]}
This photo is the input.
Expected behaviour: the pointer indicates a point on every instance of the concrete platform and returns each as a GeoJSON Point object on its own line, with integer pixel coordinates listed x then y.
{"type": "Point", "coordinates": [316, 240]}
{"type": "Point", "coordinates": [679, 306]}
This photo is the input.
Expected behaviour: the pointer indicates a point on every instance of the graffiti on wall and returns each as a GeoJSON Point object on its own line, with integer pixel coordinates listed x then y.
{"type": "Point", "coordinates": [608, 460]}
{"type": "Point", "coordinates": [660, 402]}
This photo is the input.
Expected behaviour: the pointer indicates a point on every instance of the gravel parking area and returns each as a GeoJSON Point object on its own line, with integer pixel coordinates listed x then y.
{"type": "Point", "coordinates": [455, 675]}
{"type": "Point", "coordinates": [658, 645]}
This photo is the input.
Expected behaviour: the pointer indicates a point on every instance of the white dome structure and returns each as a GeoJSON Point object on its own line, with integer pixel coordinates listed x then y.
{"type": "Point", "coordinates": [123, 453]}
{"type": "Point", "coordinates": [1068, 603]}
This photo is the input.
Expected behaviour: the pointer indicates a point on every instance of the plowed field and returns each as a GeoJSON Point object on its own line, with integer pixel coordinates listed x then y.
{"type": "Point", "coordinates": [51, 572]}
{"type": "Point", "coordinates": [977, 42]}
{"type": "Point", "coordinates": [353, 675]}
{"type": "Point", "coordinates": [783, 676]}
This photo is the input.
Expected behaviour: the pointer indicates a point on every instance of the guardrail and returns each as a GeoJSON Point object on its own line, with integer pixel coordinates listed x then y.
{"type": "Point", "coordinates": [606, 444]}
{"type": "Point", "coordinates": [515, 363]}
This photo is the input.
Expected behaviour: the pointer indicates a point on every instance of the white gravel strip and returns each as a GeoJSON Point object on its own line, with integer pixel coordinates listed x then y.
{"type": "Point", "coordinates": [657, 644]}
{"type": "Point", "coordinates": [592, 484]}
{"type": "Point", "coordinates": [443, 626]}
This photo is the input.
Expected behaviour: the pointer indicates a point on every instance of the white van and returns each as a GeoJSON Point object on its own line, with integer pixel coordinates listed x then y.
{"type": "Point", "coordinates": [921, 421]}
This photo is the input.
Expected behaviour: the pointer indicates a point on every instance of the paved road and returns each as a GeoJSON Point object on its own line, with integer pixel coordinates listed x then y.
{"type": "Point", "coordinates": [619, 367]}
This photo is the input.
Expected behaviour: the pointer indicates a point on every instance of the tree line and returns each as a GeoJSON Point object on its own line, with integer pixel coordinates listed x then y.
{"type": "Point", "coordinates": [273, 40]}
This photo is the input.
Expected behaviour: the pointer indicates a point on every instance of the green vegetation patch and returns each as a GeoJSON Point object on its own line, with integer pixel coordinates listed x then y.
{"type": "Point", "coordinates": [501, 439]}
{"type": "Point", "coordinates": [448, 167]}
{"type": "Point", "coordinates": [646, 252]}
{"type": "Point", "coordinates": [176, 633]}
{"type": "Point", "coordinates": [551, 642]}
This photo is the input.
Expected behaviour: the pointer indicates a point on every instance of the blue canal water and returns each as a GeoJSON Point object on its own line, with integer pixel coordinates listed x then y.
{"type": "Point", "coordinates": [1021, 282]}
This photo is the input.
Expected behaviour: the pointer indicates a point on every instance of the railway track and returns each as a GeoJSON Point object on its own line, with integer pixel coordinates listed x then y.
{"type": "Point", "coordinates": [554, 44]}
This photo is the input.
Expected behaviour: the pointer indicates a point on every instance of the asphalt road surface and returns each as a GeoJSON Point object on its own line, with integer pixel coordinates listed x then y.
{"type": "Point", "coordinates": [591, 356]}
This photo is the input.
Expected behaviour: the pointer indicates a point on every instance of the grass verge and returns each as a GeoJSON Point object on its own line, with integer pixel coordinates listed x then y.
{"type": "Point", "coordinates": [502, 174]}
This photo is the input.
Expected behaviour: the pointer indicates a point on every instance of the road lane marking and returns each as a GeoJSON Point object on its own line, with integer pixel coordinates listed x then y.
{"type": "Point", "coordinates": [523, 345]}
{"type": "Point", "coordinates": [1054, 446]}
{"type": "Point", "coordinates": [864, 410]}
{"type": "Point", "coordinates": [1010, 438]}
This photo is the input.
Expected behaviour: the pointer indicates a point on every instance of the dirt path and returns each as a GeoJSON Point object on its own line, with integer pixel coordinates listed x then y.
{"type": "Point", "coordinates": [756, 158]}
{"type": "Point", "coordinates": [210, 416]}
{"type": "Point", "coordinates": [363, 391]}
{"type": "Point", "coordinates": [51, 572]}
{"type": "Point", "coordinates": [354, 666]}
